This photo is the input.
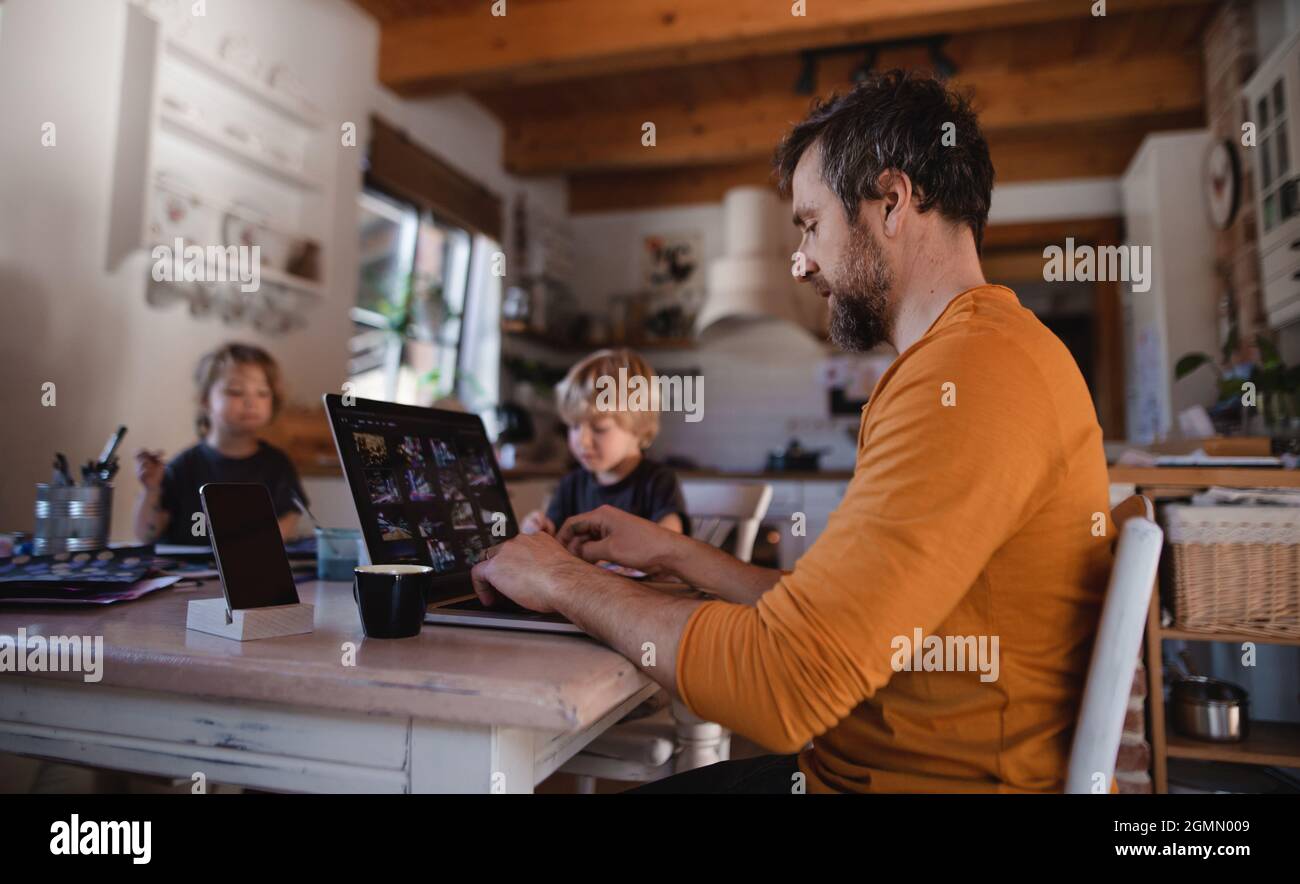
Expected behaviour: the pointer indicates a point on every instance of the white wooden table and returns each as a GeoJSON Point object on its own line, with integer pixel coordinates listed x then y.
{"type": "Point", "coordinates": [454, 709]}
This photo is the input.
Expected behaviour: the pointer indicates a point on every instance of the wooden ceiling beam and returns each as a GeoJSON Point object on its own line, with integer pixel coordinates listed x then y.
{"type": "Point", "coordinates": [1073, 93]}
{"type": "Point", "coordinates": [1090, 152]}
{"type": "Point", "coordinates": [659, 188]}
{"type": "Point", "coordinates": [464, 46]}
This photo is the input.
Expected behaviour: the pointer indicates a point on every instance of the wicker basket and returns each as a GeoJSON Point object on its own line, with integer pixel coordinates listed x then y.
{"type": "Point", "coordinates": [1235, 568]}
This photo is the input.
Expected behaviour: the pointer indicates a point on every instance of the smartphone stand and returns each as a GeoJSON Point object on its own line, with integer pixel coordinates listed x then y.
{"type": "Point", "coordinates": [246, 624]}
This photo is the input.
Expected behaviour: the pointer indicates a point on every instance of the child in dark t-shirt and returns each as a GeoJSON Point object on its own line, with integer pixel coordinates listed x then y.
{"type": "Point", "coordinates": [608, 446]}
{"type": "Point", "coordinates": [238, 392]}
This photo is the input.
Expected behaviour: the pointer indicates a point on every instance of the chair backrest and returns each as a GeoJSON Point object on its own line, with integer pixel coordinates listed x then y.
{"type": "Point", "coordinates": [1115, 651]}
{"type": "Point", "coordinates": [717, 506]}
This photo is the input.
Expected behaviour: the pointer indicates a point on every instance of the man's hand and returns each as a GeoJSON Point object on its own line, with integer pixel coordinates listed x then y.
{"type": "Point", "coordinates": [526, 569]}
{"type": "Point", "coordinates": [610, 534]}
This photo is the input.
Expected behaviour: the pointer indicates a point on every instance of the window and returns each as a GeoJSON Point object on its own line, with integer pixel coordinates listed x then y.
{"type": "Point", "coordinates": [426, 318]}
{"type": "Point", "coordinates": [1274, 154]}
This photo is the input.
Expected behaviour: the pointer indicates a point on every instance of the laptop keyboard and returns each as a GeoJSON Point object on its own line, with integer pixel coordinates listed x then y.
{"type": "Point", "coordinates": [504, 607]}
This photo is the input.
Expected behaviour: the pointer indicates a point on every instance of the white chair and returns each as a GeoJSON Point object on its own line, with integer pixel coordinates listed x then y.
{"type": "Point", "coordinates": [718, 507]}
{"type": "Point", "coordinates": [1115, 651]}
{"type": "Point", "coordinates": [672, 739]}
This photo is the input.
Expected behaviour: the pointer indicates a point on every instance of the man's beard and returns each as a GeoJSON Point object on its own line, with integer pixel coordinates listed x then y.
{"type": "Point", "coordinates": [859, 297]}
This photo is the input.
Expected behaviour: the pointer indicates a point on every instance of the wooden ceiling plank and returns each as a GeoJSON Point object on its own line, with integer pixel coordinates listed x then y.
{"type": "Point", "coordinates": [561, 39]}
{"type": "Point", "coordinates": [1091, 152]}
{"type": "Point", "coordinates": [1052, 96]}
{"type": "Point", "coordinates": [1011, 48]}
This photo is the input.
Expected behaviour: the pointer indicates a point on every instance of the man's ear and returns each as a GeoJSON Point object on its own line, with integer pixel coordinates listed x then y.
{"type": "Point", "coordinates": [896, 197]}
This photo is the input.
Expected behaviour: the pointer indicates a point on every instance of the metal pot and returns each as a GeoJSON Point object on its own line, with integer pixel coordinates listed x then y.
{"type": "Point", "coordinates": [1208, 709]}
{"type": "Point", "coordinates": [795, 458]}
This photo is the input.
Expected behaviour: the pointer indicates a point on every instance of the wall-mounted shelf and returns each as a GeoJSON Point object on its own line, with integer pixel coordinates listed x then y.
{"type": "Point", "coordinates": [292, 281]}
{"type": "Point", "coordinates": [240, 152]}
{"type": "Point", "coordinates": [258, 90]}
{"type": "Point", "coordinates": [262, 153]}
{"type": "Point", "coordinates": [244, 213]}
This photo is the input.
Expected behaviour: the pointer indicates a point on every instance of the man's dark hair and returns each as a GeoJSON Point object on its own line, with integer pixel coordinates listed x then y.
{"type": "Point", "coordinates": [895, 120]}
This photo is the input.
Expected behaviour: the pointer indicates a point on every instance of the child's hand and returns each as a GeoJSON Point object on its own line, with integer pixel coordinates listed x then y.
{"type": "Point", "coordinates": [149, 468]}
{"type": "Point", "coordinates": [536, 522]}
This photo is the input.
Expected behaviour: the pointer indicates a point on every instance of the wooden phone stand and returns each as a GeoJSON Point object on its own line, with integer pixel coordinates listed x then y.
{"type": "Point", "coordinates": [245, 624]}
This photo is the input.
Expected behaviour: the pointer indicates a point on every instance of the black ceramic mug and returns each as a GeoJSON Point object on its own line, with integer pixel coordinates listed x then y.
{"type": "Point", "coordinates": [391, 598]}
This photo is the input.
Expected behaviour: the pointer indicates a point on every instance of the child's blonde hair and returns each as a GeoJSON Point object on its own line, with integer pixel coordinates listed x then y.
{"type": "Point", "coordinates": [575, 396]}
{"type": "Point", "coordinates": [213, 365]}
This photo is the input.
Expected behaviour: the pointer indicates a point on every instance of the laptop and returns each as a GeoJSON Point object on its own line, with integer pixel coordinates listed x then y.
{"type": "Point", "coordinates": [428, 491]}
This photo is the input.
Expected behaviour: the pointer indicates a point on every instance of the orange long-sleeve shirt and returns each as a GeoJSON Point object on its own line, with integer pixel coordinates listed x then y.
{"type": "Point", "coordinates": [978, 508]}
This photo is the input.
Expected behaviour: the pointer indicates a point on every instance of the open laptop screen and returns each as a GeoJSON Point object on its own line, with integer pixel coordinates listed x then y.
{"type": "Point", "coordinates": [425, 482]}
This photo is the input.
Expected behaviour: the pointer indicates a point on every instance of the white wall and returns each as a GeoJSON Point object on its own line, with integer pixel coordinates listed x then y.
{"type": "Point", "coordinates": [761, 384]}
{"type": "Point", "coordinates": [64, 319]}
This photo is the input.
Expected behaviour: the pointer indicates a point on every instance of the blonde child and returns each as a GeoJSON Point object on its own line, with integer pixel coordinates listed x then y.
{"type": "Point", "coordinates": [609, 446]}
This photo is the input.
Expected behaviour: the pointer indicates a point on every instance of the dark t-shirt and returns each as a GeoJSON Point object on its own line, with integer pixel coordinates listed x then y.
{"type": "Point", "coordinates": [650, 491]}
{"type": "Point", "coordinates": [194, 467]}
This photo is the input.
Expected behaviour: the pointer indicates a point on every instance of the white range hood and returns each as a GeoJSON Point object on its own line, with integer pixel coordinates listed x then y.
{"type": "Point", "coordinates": [752, 280]}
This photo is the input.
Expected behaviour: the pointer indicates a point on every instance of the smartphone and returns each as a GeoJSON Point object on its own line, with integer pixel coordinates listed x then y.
{"type": "Point", "coordinates": [250, 554]}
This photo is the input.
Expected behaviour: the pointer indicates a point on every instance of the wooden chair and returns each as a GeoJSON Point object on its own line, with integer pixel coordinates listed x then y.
{"type": "Point", "coordinates": [673, 739]}
{"type": "Point", "coordinates": [1115, 651]}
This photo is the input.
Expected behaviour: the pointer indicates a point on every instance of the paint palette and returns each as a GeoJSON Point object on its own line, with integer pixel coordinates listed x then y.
{"type": "Point", "coordinates": [121, 565]}
{"type": "Point", "coordinates": [97, 578]}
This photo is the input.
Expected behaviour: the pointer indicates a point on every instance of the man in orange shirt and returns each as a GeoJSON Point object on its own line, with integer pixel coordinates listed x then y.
{"type": "Point", "coordinates": [936, 635]}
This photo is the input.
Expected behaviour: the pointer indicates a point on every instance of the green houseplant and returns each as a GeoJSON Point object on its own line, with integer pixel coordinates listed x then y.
{"type": "Point", "coordinates": [412, 306]}
{"type": "Point", "coordinates": [1274, 383]}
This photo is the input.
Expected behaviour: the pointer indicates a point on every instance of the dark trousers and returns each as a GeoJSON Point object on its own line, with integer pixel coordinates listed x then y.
{"type": "Point", "coordinates": [765, 775]}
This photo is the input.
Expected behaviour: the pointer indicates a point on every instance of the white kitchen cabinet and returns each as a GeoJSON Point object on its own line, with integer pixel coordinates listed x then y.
{"type": "Point", "coordinates": [1272, 98]}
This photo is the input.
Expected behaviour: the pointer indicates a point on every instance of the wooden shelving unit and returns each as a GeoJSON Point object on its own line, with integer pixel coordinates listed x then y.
{"type": "Point", "coordinates": [1274, 743]}
{"type": "Point", "coordinates": [232, 143]}
{"type": "Point", "coordinates": [297, 109]}
{"type": "Point", "coordinates": [1268, 743]}
{"type": "Point", "coordinates": [240, 153]}
{"type": "Point", "coordinates": [1184, 479]}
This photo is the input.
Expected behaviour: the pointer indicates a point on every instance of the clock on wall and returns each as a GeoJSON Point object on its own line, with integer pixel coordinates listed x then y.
{"type": "Point", "coordinates": [1222, 183]}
